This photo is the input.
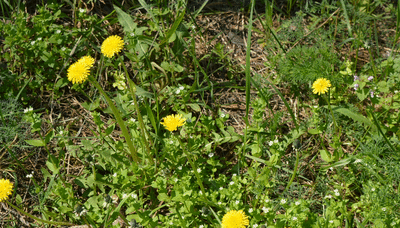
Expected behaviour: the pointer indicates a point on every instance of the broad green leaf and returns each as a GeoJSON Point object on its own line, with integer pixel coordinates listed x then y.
{"type": "Point", "coordinates": [355, 116]}
{"type": "Point", "coordinates": [325, 156]}
{"type": "Point", "coordinates": [125, 20]}
{"type": "Point", "coordinates": [35, 142]}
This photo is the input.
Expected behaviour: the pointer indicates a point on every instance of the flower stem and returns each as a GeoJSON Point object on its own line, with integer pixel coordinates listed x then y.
{"type": "Point", "coordinates": [294, 171]}
{"type": "Point", "coordinates": [132, 88]}
{"type": "Point", "coordinates": [199, 181]}
{"type": "Point", "coordinates": [120, 122]}
{"type": "Point", "coordinates": [38, 219]}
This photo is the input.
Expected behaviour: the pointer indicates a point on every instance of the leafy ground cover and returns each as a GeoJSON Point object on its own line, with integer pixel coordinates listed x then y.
{"type": "Point", "coordinates": [199, 114]}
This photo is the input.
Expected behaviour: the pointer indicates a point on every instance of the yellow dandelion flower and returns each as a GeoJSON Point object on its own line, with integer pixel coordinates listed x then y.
{"type": "Point", "coordinates": [5, 189]}
{"type": "Point", "coordinates": [235, 219]}
{"type": "Point", "coordinates": [78, 72]}
{"type": "Point", "coordinates": [172, 122]}
{"type": "Point", "coordinates": [321, 85]}
{"type": "Point", "coordinates": [87, 61]}
{"type": "Point", "coordinates": [112, 45]}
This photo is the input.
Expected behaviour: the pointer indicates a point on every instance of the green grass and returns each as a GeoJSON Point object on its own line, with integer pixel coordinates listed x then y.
{"type": "Point", "coordinates": [256, 140]}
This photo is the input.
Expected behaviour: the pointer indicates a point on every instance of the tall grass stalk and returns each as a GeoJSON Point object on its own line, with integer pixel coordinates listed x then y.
{"type": "Point", "coordinates": [248, 84]}
{"type": "Point", "coordinates": [118, 117]}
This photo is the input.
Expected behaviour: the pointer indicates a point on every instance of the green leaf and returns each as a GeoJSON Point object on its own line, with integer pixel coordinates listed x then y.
{"type": "Point", "coordinates": [325, 156]}
{"type": "Point", "coordinates": [172, 31]}
{"type": "Point", "coordinates": [314, 131]}
{"type": "Point", "coordinates": [35, 142]}
{"type": "Point", "coordinates": [195, 107]}
{"type": "Point", "coordinates": [355, 116]}
{"type": "Point", "coordinates": [125, 20]}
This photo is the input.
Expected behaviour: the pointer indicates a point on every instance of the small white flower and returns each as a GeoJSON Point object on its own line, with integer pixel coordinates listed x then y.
{"type": "Point", "coordinates": [180, 167]}
{"type": "Point", "coordinates": [283, 201]}
{"type": "Point", "coordinates": [83, 212]}
{"type": "Point", "coordinates": [373, 189]}
{"type": "Point", "coordinates": [115, 175]}
{"type": "Point", "coordinates": [171, 223]}
{"type": "Point", "coordinates": [234, 175]}
{"type": "Point", "coordinates": [220, 188]}
{"type": "Point", "coordinates": [358, 161]}
{"type": "Point", "coordinates": [271, 143]}
{"type": "Point", "coordinates": [63, 49]}
{"type": "Point", "coordinates": [134, 196]}
{"type": "Point", "coordinates": [294, 218]}
{"type": "Point", "coordinates": [133, 120]}
{"type": "Point", "coordinates": [29, 176]}
{"type": "Point", "coordinates": [82, 10]}
{"type": "Point", "coordinates": [176, 180]}
{"type": "Point", "coordinates": [255, 225]}
{"type": "Point", "coordinates": [39, 39]}
{"type": "Point", "coordinates": [171, 142]}
{"type": "Point", "coordinates": [276, 141]}
{"type": "Point", "coordinates": [181, 87]}
{"type": "Point", "coordinates": [210, 155]}
{"type": "Point", "coordinates": [328, 196]}
{"type": "Point", "coordinates": [199, 170]}
{"type": "Point", "coordinates": [297, 203]}
{"type": "Point", "coordinates": [178, 91]}
{"type": "Point", "coordinates": [26, 110]}
{"type": "Point", "coordinates": [383, 208]}
{"type": "Point", "coordinates": [58, 31]}
{"type": "Point", "coordinates": [330, 221]}
{"type": "Point", "coordinates": [33, 43]}
{"type": "Point", "coordinates": [105, 204]}
{"type": "Point", "coordinates": [124, 196]}
{"type": "Point", "coordinates": [200, 192]}
{"type": "Point", "coordinates": [201, 226]}
{"type": "Point", "coordinates": [266, 210]}
{"type": "Point", "coordinates": [337, 194]}
{"type": "Point", "coordinates": [61, 132]}
{"type": "Point", "coordinates": [222, 115]}
{"type": "Point", "coordinates": [250, 210]}
{"type": "Point", "coordinates": [231, 183]}
{"type": "Point", "coordinates": [267, 200]}
{"type": "Point", "coordinates": [331, 168]}
{"type": "Point", "coordinates": [336, 190]}
{"type": "Point", "coordinates": [237, 202]}
{"type": "Point", "coordinates": [219, 203]}
{"type": "Point", "coordinates": [396, 91]}
{"type": "Point", "coordinates": [132, 34]}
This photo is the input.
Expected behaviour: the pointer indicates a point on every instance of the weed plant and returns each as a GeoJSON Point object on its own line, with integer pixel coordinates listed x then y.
{"type": "Point", "coordinates": [160, 155]}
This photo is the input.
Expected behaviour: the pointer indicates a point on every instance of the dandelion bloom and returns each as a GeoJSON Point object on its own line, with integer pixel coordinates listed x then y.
{"type": "Point", "coordinates": [235, 219]}
{"type": "Point", "coordinates": [321, 85]}
{"type": "Point", "coordinates": [112, 45]}
{"type": "Point", "coordinates": [172, 122]}
{"type": "Point", "coordinates": [79, 71]}
{"type": "Point", "coordinates": [87, 61]}
{"type": "Point", "coordinates": [5, 189]}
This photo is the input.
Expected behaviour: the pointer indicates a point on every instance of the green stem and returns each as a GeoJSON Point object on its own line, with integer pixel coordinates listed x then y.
{"type": "Point", "coordinates": [94, 178]}
{"type": "Point", "coordinates": [330, 108]}
{"type": "Point", "coordinates": [294, 171]}
{"type": "Point", "coordinates": [120, 122]}
{"type": "Point", "coordinates": [199, 181]}
{"type": "Point", "coordinates": [38, 219]}
{"type": "Point", "coordinates": [132, 88]}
